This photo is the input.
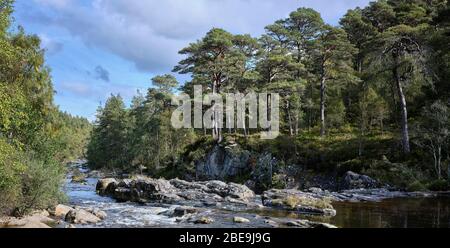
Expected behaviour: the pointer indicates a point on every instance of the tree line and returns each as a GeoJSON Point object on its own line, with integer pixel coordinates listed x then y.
{"type": "Point", "coordinates": [383, 70]}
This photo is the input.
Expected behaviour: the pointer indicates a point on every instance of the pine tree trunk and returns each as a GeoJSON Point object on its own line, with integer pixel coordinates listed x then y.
{"type": "Point", "coordinates": [322, 106]}
{"type": "Point", "coordinates": [403, 108]}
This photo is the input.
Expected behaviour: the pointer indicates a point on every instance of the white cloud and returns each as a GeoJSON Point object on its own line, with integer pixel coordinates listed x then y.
{"type": "Point", "coordinates": [149, 33]}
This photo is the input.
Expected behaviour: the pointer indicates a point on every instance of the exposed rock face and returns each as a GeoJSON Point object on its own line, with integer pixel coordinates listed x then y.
{"type": "Point", "coordinates": [266, 165]}
{"type": "Point", "coordinates": [223, 162]}
{"type": "Point", "coordinates": [353, 180]}
{"type": "Point", "coordinates": [298, 201]}
{"type": "Point", "coordinates": [80, 216]}
{"type": "Point", "coordinates": [173, 191]}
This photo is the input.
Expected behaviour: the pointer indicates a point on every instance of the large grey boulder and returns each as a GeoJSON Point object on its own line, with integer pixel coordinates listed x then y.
{"type": "Point", "coordinates": [81, 216]}
{"type": "Point", "coordinates": [352, 180]}
{"type": "Point", "coordinates": [106, 186]}
{"type": "Point", "coordinates": [298, 201]}
{"type": "Point", "coordinates": [175, 190]}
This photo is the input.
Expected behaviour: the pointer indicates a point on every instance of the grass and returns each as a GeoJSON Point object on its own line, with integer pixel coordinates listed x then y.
{"type": "Point", "coordinates": [293, 201]}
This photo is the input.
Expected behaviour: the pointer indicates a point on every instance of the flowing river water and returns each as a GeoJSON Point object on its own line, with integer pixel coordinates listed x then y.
{"type": "Point", "coordinates": [392, 213]}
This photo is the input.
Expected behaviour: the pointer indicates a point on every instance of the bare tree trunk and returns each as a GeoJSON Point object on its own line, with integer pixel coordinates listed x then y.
{"type": "Point", "coordinates": [439, 159]}
{"type": "Point", "coordinates": [322, 106]}
{"type": "Point", "coordinates": [291, 130]}
{"type": "Point", "coordinates": [403, 109]}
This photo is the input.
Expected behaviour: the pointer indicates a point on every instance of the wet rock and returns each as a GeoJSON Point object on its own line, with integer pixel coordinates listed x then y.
{"type": "Point", "coordinates": [272, 223]}
{"type": "Point", "coordinates": [79, 177]}
{"type": "Point", "coordinates": [308, 224]}
{"type": "Point", "coordinates": [353, 180]}
{"type": "Point", "coordinates": [298, 201]}
{"type": "Point", "coordinates": [106, 186]}
{"type": "Point", "coordinates": [62, 210]}
{"type": "Point", "coordinates": [148, 189]}
{"type": "Point", "coordinates": [240, 220]}
{"type": "Point", "coordinates": [99, 213]}
{"type": "Point", "coordinates": [183, 211]}
{"type": "Point", "coordinates": [80, 216]}
{"type": "Point", "coordinates": [204, 220]}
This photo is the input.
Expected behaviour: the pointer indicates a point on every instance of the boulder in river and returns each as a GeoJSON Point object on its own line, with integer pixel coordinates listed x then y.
{"type": "Point", "coordinates": [81, 216]}
{"type": "Point", "coordinates": [238, 219]}
{"type": "Point", "coordinates": [298, 201]}
{"type": "Point", "coordinates": [144, 189]}
{"type": "Point", "coordinates": [106, 186]}
{"type": "Point", "coordinates": [62, 210]}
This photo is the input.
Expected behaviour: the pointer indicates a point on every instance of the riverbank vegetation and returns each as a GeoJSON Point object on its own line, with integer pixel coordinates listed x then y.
{"type": "Point", "coordinates": [369, 95]}
{"type": "Point", "coordinates": [35, 137]}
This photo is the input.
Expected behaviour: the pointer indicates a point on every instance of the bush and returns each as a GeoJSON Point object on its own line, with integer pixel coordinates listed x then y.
{"type": "Point", "coordinates": [26, 182]}
{"type": "Point", "coordinates": [41, 186]}
{"type": "Point", "coordinates": [439, 185]}
{"type": "Point", "coordinates": [416, 186]}
{"type": "Point", "coordinates": [10, 181]}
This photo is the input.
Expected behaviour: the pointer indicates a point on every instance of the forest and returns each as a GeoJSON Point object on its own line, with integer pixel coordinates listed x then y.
{"type": "Point", "coordinates": [369, 95]}
{"type": "Point", "coordinates": [36, 138]}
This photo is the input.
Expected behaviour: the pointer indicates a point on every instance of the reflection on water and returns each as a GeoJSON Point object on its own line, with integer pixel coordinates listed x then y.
{"type": "Point", "coordinates": [395, 213]}
{"type": "Point", "coordinates": [391, 213]}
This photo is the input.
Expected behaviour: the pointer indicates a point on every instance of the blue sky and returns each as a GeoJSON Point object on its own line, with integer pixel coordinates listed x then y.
{"type": "Point", "coordinates": [100, 47]}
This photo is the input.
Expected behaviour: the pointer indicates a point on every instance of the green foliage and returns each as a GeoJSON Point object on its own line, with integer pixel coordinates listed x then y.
{"type": "Point", "coordinates": [439, 185]}
{"type": "Point", "coordinates": [35, 137]}
{"type": "Point", "coordinates": [348, 95]}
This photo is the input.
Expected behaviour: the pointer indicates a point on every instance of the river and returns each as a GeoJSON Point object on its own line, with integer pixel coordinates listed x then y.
{"type": "Point", "coordinates": [392, 213]}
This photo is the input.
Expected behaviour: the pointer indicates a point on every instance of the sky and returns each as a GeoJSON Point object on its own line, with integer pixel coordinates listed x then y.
{"type": "Point", "coordinates": [96, 48]}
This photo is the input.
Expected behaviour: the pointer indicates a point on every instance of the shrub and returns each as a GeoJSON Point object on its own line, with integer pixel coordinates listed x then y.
{"type": "Point", "coordinates": [416, 186]}
{"type": "Point", "coordinates": [438, 185]}
{"type": "Point", "coordinates": [10, 181]}
{"type": "Point", "coordinates": [26, 182]}
{"type": "Point", "coordinates": [40, 185]}
{"type": "Point", "coordinates": [293, 201]}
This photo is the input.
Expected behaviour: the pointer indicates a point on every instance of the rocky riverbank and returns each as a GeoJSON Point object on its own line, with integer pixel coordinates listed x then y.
{"type": "Point", "coordinates": [61, 216]}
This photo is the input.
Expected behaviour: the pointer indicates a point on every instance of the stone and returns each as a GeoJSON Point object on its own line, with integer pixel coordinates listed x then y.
{"type": "Point", "coordinates": [352, 180]}
{"type": "Point", "coordinates": [182, 211]}
{"type": "Point", "coordinates": [99, 213]}
{"type": "Point", "coordinates": [81, 216]}
{"type": "Point", "coordinates": [106, 186]}
{"type": "Point", "coordinates": [240, 220]}
{"type": "Point", "coordinates": [203, 220]}
{"type": "Point", "coordinates": [144, 189]}
{"type": "Point", "coordinates": [298, 201]}
{"type": "Point", "coordinates": [37, 220]}
{"type": "Point", "coordinates": [62, 210]}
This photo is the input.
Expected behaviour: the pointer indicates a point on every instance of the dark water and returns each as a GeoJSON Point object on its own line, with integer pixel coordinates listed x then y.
{"type": "Point", "coordinates": [392, 213]}
{"type": "Point", "coordinates": [395, 213]}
